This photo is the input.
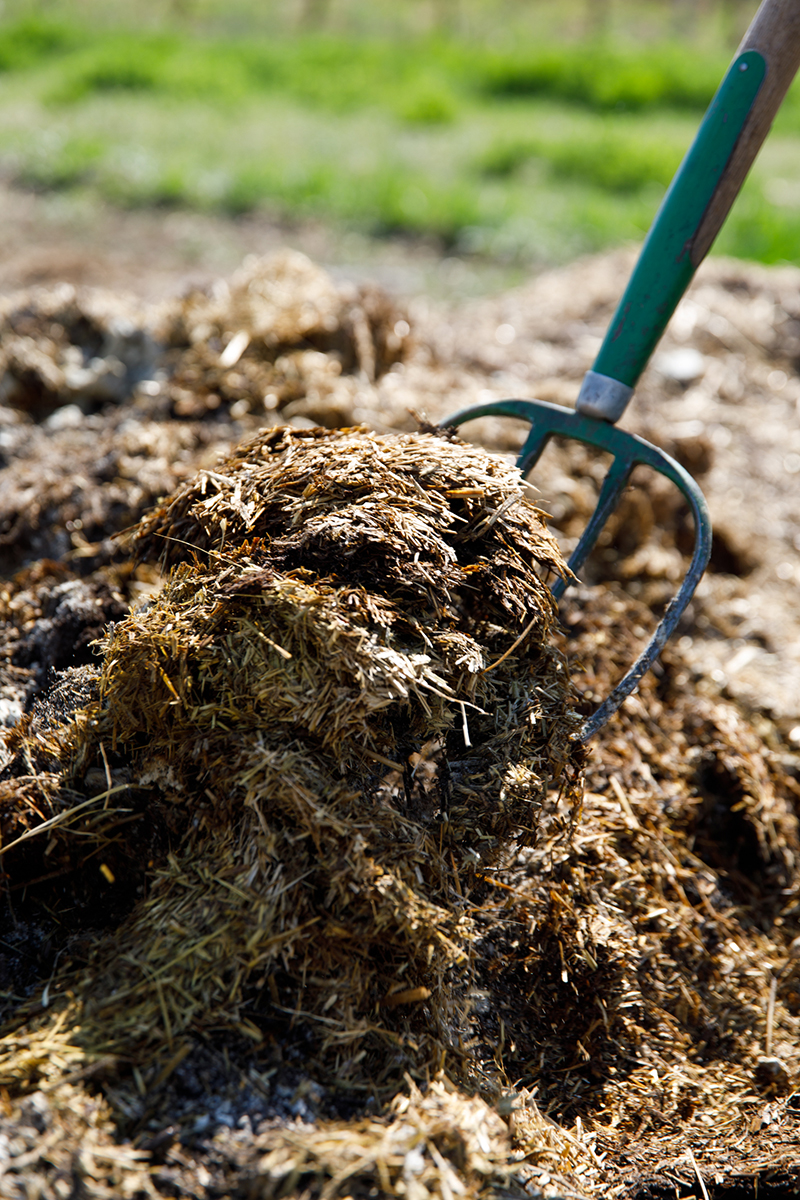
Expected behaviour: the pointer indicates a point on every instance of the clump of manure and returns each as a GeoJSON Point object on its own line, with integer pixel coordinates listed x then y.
{"type": "Point", "coordinates": [342, 705]}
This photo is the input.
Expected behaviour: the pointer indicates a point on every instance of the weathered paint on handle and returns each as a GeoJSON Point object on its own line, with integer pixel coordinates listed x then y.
{"type": "Point", "coordinates": [665, 266]}
{"type": "Point", "coordinates": [697, 203]}
{"type": "Point", "coordinates": [774, 34]}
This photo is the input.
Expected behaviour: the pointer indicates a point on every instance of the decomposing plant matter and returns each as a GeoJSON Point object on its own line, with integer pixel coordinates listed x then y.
{"type": "Point", "coordinates": [343, 701]}
{"type": "Point", "coordinates": [106, 405]}
{"type": "Point", "coordinates": [244, 892]}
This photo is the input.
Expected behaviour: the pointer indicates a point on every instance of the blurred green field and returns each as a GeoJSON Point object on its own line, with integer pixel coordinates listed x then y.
{"type": "Point", "coordinates": [526, 132]}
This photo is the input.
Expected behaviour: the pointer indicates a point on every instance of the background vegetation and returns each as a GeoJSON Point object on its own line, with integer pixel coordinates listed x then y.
{"type": "Point", "coordinates": [521, 129]}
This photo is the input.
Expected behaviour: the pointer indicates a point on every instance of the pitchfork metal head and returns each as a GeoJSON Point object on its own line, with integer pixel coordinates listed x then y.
{"type": "Point", "coordinates": [691, 214]}
{"type": "Point", "coordinates": [628, 451]}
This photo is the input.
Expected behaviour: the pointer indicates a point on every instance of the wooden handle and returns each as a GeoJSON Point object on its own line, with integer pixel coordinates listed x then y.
{"type": "Point", "coordinates": [775, 34]}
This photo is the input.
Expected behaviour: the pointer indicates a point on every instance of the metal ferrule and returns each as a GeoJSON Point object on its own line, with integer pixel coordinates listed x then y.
{"type": "Point", "coordinates": [604, 397]}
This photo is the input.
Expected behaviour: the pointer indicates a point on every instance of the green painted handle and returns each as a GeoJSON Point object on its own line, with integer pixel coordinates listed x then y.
{"type": "Point", "coordinates": [666, 266]}
{"type": "Point", "coordinates": [697, 203]}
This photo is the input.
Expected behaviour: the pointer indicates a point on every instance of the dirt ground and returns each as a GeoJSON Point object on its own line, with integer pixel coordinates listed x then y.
{"type": "Point", "coordinates": [137, 349]}
{"type": "Point", "coordinates": [57, 237]}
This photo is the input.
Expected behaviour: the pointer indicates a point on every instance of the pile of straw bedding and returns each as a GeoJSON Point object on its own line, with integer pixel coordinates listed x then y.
{"type": "Point", "coordinates": [309, 887]}
{"type": "Point", "coordinates": [343, 703]}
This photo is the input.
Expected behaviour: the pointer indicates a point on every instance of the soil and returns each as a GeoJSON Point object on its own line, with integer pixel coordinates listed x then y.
{"type": "Point", "coordinates": [689, 827]}
{"type": "Point", "coordinates": [69, 237]}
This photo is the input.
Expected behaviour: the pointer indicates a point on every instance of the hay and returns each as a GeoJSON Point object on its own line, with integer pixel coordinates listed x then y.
{"type": "Point", "coordinates": [281, 336]}
{"type": "Point", "coordinates": [62, 1140]}
{"type": "Point", "coordinates": [431, 1144]}
{"type": "Point", "coordinates": [343, 706]}
{"type": "Point", "coordinates": [627, 1000]}
{"type": "Point", "coordinates": [105, 405]}
{"type": "Point", "coordinates": [59, 347]}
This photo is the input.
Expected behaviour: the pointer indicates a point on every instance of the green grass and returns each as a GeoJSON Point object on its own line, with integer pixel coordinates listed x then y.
{"type": "Point", "coordinates": [25, 43]}
{"type": "Point", "coordinates": [605, 78]}
{"type": "Point", "coordinates": [614, 156]}
{"type": "Point", "coordinates": [340, 74]}
{"type": "Point", "coordinates": [534, 150]}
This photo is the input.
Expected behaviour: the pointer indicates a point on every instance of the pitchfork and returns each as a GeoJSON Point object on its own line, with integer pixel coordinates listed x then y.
{"type": "Point", "coordinates": [690, 217]}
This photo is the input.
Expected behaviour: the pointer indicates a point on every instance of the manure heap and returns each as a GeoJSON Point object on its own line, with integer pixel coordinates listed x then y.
{"type": "Point", "coordinates": [342, 708]}
{"type": "Point", "coordinates": [307, 890]}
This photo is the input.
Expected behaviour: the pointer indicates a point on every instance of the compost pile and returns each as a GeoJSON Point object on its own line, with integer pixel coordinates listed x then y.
{"type": "Point", "coordinates": [309, 887]}
{"type": "Point", "coordinates": [106, 406]}
{"type": "Point", "coordinates": [341, 706]}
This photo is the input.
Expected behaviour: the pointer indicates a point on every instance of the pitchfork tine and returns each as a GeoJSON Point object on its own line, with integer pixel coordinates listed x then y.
{"type": "Point", "coordinates": [693, 211]}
